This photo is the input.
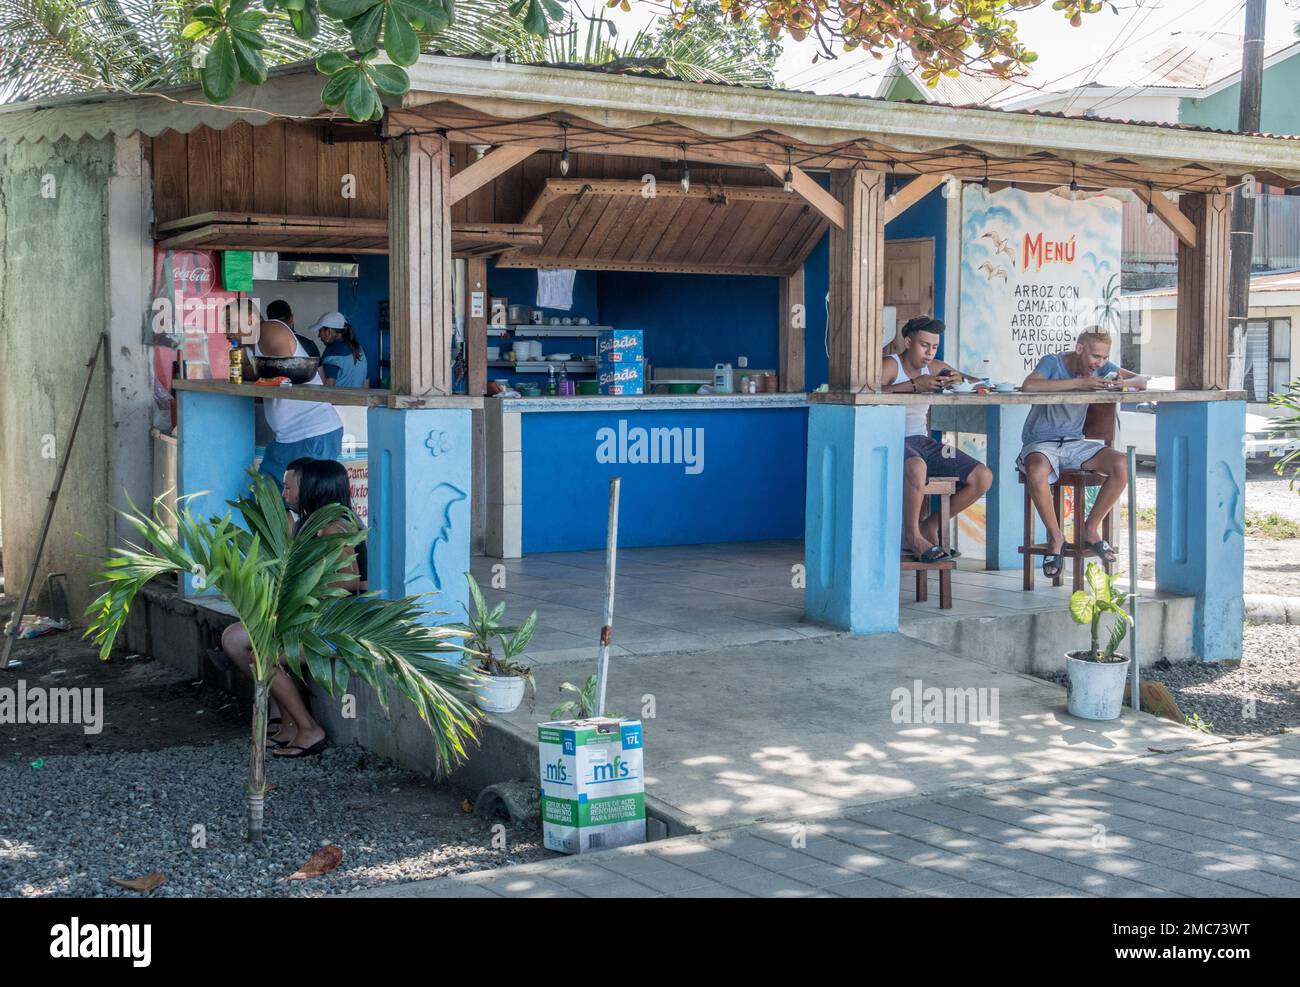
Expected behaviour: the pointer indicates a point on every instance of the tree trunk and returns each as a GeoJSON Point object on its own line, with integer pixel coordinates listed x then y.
{"type": "Point", "coordinates": [257, 765]}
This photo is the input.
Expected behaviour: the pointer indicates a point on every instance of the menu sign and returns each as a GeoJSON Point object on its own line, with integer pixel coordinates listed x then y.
{"type": "Point", "coordinates": [1037, 269]}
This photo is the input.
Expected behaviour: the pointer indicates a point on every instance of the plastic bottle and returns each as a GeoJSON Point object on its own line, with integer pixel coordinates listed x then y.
{"type": "Point", "coordinates": [550, 381]}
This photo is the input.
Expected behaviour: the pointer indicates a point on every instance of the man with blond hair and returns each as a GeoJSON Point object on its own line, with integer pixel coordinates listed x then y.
{"type": "Point", "coordinates": [1054, 442]}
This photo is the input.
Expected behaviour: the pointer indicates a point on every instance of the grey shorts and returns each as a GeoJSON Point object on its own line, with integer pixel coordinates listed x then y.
{"type": "Point", "coordinates": [1063, 454]}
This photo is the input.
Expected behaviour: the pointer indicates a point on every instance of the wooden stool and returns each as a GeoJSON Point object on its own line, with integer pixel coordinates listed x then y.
{"type": "Point", "coordinates": [943, 488]}
{"type": "Point", "coordinates": [1078, 481]}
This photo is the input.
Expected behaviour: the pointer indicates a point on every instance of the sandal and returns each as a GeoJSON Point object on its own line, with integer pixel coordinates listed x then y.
{"type": "Point", "coordinates": [1102, 549]}
{"type": "Point", "coordinates": [315, 750]}
{"type": "Point", "coordinates": [1052, 565]}
{"type": "Point", "coordinates": [933, 554]}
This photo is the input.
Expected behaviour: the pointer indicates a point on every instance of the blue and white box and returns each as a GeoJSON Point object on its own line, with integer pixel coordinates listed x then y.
{"type": "Point", "coordinates": [620, 346]}
{"type": "Point", "coordinates": [620, 378]}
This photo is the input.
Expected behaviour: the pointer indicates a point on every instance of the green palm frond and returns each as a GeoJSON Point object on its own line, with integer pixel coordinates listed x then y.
{"type": "Point", "coordinates": [282, 586]}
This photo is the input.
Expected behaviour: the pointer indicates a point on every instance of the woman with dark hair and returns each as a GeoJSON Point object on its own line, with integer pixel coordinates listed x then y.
{"type": "Point", "coordinates": [343, 363]}
{"type": "Point", "coordinates": [314, 483]}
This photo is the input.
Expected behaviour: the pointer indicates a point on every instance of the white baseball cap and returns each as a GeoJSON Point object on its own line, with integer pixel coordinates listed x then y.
{"type": "Point", "coordinates": [330, 320]}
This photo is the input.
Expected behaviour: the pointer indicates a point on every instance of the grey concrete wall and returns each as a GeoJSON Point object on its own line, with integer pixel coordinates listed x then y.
{"type": "Point", "coordinates": [53, 304]}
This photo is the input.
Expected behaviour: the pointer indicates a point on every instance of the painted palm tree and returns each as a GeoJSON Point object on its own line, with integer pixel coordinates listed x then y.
{"type": "Point", "coordinates": [282, 586]}
{"type": "Point", "coordinates": [1106, 313]}
{"type": "Point", "coordinates": [58, 47]}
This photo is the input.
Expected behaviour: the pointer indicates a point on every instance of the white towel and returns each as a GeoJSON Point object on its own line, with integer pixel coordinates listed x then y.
{"type": "Point", "coordinates": [555, 288]}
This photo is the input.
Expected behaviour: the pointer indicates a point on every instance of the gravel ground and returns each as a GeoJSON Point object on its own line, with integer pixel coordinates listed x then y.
{"type": "Point", "coordinates": [79, 820]}
{"type": "Point", "coordinates": [172, 755]}
{"type": "Point", "coordinates": [1257, 696]}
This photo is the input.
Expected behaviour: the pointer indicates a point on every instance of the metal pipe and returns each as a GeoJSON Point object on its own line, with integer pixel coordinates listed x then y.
{"type": "Point", "coordinates": [607, 630]}
{"type": "Point", "coordinates": [1135, 683]}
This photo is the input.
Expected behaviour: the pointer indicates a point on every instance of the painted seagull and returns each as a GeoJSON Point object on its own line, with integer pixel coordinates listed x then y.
{"type": "Point", "coordinates": [991, 272]}
{"type": "Point", "coordinates": [1000, 246]}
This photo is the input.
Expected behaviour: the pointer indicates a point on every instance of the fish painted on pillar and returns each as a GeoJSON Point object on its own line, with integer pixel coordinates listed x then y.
{"type": "Point", "coordinates": [432, 526]}
{"type": "Point", "coordinates": [1228, 500]}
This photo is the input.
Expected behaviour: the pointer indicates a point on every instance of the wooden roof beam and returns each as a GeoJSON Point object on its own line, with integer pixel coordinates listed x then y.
{"type": "Point", "coordinates": [910, 194]}
{"type": "Point", "coordinates": [486, 168]}
{"type": "Point", "coordinates": [807, 189]}
{"type": "Point", "coordinates": [1173, 217]}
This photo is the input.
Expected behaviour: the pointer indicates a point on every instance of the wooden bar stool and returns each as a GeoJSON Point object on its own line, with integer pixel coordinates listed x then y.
{"type": "Point", "coordinates": [943, 488]}
{"type": "Point", "coordinates": [1078, 482]}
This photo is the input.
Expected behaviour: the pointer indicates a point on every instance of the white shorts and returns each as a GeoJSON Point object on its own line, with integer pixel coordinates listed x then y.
{"type": "Point", "coordinates": [1063, 454]}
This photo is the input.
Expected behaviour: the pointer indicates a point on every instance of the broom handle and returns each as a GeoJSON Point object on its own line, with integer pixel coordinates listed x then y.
{"type": "Point", "coordinates": [607, 630]}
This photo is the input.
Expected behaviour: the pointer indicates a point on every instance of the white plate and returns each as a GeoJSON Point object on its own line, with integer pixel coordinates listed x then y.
{"type": "Point", "coordinates": [560, 357]}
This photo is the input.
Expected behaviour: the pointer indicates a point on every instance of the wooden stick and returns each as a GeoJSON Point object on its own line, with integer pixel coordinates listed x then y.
{"type": "Point", "coordinates": [16, 621]}
{"type": "Point", "coordinates": [607, 631]}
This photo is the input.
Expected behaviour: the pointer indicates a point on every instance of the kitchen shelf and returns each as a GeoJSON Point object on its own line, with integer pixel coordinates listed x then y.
{"type": "Point", "coordinates": [566, 332]}
{"type": "Point", "coordinates": [543, 366]}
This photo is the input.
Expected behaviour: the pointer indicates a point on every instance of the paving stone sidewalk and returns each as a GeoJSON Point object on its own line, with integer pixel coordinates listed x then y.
{"type": "Point", "coordinates": [1223, 822]}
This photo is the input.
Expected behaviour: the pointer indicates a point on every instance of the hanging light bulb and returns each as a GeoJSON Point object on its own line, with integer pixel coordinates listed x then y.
{"type": "Point", "coordinates": [686, 171]}
{"type": "Point", "coordinates": [984, 182]}
{"type": "Point", "coordinates": [564, 152]}
{"type": "Point", "coordinates": [787, 182]}
{"type": "Point", "coordinates": [1151, 209]}
{"type": "Point", "coordinates": [1074, 185]}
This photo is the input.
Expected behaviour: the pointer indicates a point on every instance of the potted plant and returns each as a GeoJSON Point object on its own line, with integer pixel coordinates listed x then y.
{"type": "Point", "coordinates": [1096, 677]}
{"type": "Point", "coordinates": [503, 688]}
{"type": "Point", "coordinates": [283, 586]}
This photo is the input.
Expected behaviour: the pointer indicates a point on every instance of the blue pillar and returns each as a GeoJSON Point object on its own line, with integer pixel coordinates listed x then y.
{"type": "Point", "coordinates": [1005, 502]}
{"type": "Point", "coordinates": [214, 451]}
{"type": "Point", "coordinates": [1201, 517]}
{"type": "Point", "coordinates": [854, 516]}
{"type": "Point", "coordinates": [419, 505]}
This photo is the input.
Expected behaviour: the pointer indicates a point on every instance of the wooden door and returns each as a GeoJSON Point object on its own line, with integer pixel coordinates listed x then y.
{"type": "Point", "coordinates": [909, 279]}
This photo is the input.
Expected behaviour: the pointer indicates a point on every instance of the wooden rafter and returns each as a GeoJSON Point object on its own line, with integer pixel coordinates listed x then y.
{"type": "Point", "coordinates": [486, 168]}
{"type": "Point", "coordinates": [1170, 215]}
{"type": "Point", "coordinates": [812, 193]}
{"type": "Point", "coordinates": [910, 194]}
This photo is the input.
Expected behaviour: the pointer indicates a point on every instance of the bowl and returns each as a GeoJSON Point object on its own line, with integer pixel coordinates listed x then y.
{"type": "Point", "coordinates": [299, 369]}
{"type": "Point", "coordinates": [683, 388]}
{"type": "Point", "coordinates": [1004, 388]}
{"type": "Point", "coordinates": [588, 387]}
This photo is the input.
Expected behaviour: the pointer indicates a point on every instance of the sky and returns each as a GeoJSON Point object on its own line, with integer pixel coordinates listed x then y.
{"type": "Point", "coordinates": [1067, 56]}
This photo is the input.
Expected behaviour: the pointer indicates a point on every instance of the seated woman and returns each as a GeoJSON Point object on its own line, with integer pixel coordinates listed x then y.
{"type": "Point", "coordinates": [310, 484]}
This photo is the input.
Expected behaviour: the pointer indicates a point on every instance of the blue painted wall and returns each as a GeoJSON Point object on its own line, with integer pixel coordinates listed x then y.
{"type": "Point", "coordinates": [751, 486]}
{"type": "Point", "coordinates": [359, 302]}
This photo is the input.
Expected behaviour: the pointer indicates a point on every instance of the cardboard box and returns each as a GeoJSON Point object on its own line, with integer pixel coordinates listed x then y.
{"type": "Point", "coordinates": [620, 346]}
{"type": "Point", "coordinates": [593, 789]}
{"type": "Point", "coordinates": [620, 378]}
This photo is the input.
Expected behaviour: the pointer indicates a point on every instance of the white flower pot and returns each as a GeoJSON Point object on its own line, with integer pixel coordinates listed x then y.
{"type": "Point", "coordinates": [501, 694]}
{"type": "Point", "coordinates": [1095, 689]}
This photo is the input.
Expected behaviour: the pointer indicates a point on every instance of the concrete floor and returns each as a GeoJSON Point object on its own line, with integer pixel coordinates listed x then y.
{"type": "Point", "coordinates": [698, 597]}
{"type": "Point", "coordinates": [810, 727]}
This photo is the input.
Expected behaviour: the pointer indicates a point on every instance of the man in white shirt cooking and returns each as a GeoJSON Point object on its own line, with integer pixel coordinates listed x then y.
{"type": "Point", "coordinates": [916, 370]}
{"type": "Point", "coordinates": [303, 429]}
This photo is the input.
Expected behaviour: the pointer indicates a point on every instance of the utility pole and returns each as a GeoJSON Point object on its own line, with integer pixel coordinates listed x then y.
{"type": "Point", "coordinates": [1243, 201]}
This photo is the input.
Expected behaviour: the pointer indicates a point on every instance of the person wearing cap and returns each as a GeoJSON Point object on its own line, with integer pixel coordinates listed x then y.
{"type": "Point", "coordinates": [344, 361]}
{"type": "Point", "coordinates": [917, 370]}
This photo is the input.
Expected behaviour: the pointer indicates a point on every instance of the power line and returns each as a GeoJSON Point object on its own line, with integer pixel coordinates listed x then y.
{"type": "Point", "coordinates": [1134, 22]}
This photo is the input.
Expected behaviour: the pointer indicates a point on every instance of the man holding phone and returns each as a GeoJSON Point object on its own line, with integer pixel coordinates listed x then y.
{"type": "Point", "coordinates": [1054, 442]}
{"type": "Point", "coordinates": [916, 370]}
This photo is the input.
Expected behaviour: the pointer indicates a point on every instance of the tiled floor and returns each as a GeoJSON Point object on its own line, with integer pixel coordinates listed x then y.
{"type": "Point", "coordinates": [690, 597]}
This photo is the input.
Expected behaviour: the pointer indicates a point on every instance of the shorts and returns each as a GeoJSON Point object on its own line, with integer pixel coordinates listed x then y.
{"type": "Point", "coordinates": [1063, 454]}
{"type": "Point", "coordinates": [940, 460]}
{"type": "Point", "coordinates": [281, 454]}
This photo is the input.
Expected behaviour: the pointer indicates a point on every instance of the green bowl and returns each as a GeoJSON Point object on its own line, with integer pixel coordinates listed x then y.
{"type": "Point", "coordinates": [683, 388]}
{"type": "Point", "coordinates": [588, 387]}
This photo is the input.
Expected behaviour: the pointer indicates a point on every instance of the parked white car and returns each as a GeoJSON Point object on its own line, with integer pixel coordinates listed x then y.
{"type": "Point", "coordinates": [1137, 427]}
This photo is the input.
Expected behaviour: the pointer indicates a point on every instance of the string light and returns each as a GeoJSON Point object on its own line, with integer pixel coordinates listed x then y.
{"type": "Point", "coordinates": [788, 182]}
{"type": "Point", "coordinates": [686, 171]}
{"type": "Point", "coordinates": [984, 182]}
{"type": "Point", "coordinates": [564, 152]}
{"type": "Point", "coordinates": [1151, 208]}
{"type": "Point", "coordinates": [1074, 185]}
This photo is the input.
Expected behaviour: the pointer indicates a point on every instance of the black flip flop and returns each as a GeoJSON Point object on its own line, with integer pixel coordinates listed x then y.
{"type": "Point", "coordinates": [315, 750]}
{"type": "Point", "coordinates": [933, 554]}
{"type": "Point", "coordinates": [1102, 548]}
{"type": "Point", "coordinates": [1056, 562]}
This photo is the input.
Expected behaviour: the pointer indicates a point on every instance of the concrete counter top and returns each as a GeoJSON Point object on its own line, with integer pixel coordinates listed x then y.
{"type": "Point", "coordinates": [652, 402]}
{"type": "Point", "coordinates": [367, 397]}
{"type": "Point", "coordinates": [1025, 397]}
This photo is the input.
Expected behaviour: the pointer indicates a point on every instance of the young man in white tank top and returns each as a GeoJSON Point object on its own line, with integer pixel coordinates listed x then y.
{"type": "Point", "coordinates": [303, 429]}
{"type": "Point", "coordinates": [916, 370]}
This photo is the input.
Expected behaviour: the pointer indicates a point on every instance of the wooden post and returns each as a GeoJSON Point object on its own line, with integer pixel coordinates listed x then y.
{"type": "Point", "coordinates": [1203, 336]}
{"type": "Point", "coordinates": [857, 284]}
{"type": "Point", "coordinates": [476, 339]}
{"type": "Point", "coordinates": [793, 321]}
{"type": "Point", "coordinates": [419, 264]}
